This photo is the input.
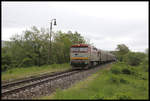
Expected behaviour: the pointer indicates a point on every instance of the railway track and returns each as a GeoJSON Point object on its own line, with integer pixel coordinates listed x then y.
{"type": "Point", "coordinates": [27, 80]}
{"type": "Point", "coordinates": [17, 86]}
{"type": "Point", "coordinates": [44, 84]}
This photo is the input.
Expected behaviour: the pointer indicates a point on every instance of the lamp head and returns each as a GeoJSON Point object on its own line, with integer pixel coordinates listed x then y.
{"type": "Point", "coordinates": [55, 22]}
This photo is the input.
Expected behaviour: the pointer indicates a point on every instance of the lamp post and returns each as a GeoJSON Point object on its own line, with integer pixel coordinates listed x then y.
{"type": "Point", "coordinates": [50, 50]}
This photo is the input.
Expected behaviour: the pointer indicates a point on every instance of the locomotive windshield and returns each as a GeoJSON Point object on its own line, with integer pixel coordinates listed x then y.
{"type": "Point", "coordinates": [79, 49]}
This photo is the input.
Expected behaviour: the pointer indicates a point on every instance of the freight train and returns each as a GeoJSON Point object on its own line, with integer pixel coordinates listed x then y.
{"type": "Point", "coordinates": [84, 56]}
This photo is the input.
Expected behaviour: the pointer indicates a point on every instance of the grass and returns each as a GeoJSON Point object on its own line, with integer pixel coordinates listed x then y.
{"type": "Point", "coordinates": [17, 73]}
{"type": "Point", "coordinates": [107, 84]}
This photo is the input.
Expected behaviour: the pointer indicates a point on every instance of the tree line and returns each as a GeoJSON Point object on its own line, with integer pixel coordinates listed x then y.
{"type": "Point", "coordinates": [32, 46]}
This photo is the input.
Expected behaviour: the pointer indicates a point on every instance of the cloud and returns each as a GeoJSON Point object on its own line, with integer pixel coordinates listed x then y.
{"type": "Point", "coordinates": [7, 33]}
{"type": "Point", "coordinates": [106, 24]}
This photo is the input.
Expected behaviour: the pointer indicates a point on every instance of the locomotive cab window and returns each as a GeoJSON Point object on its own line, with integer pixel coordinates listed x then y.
{"type": "Point", "coordinates": [79, 49]}
{"type": "Point", "coordinates": [74, 49]}
{"type": "Point", "coordinates": [84, 49]}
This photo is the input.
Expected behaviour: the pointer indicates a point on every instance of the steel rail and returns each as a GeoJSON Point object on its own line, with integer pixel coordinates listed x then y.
{"type": "Point", "coordinates": [13, 83]}
{"type": "Point", "coordinates": [6, 92]}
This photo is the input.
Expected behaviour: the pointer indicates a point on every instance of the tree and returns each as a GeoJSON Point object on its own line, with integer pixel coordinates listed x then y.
{"type": "Point", "coordinates": [121, 49]}
{"type": "Point", "coordinates": [147, 51]}
{"type": "Point", "coordinates": [62, 43]}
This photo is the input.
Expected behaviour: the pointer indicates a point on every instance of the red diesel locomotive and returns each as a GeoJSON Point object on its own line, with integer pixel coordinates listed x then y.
{"type": "Point", "coordinates": [84, 56]}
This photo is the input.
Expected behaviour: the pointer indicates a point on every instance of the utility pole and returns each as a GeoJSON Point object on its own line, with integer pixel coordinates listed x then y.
{"type": "Point", "coordinates": [50, 46]}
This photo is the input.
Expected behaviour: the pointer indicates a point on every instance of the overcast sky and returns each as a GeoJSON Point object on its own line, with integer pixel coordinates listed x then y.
{"type": "Point", "coordinates": [105, 24]}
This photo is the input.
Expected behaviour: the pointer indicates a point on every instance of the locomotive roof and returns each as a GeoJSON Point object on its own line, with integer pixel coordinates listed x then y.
{"type": "Point", "coordinates": [80, 45]}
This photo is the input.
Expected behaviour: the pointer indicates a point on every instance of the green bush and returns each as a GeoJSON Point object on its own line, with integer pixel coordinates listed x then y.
{"type": "Point", "coordinates": [126, 71]}
{"type": "Point", "coordinates": [144, 64]}
{"type": "Point", "coordinates": [26, 62]}
{"type": "Point", "coordinates": [4, 67]}
{"type": "Point", "coordinates": [97, 96]}
{"type": "Point", "coordinates": [122, 96]}
{"type": "Point", "coordinates": [133, 58]}
{"type": "Point", "coordinates": [114, 79]}
{"type": "Point", "coordinates": [124, 81]}
{"type": "Point", "coordinates": [115, 70]}
{"type": "Point", "coordinates": [117, 79]}
{"type": "Point", "coordinates": [122, 68]}
{"type": "Point", "coordinates": [6, 62]}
